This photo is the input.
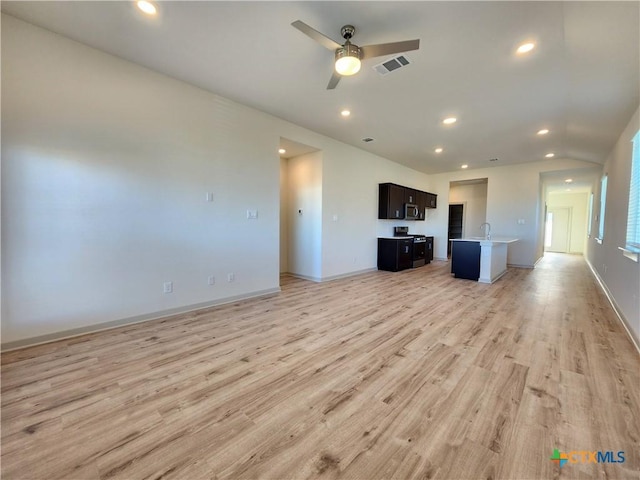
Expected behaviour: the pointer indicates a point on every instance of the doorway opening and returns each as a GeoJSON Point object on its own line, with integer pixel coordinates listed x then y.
{"type": "Point", "coordinates": [467, 208]}
{"type": "Point", "coordinates": [565, 219]}
{"type": "Point", "coordinates": [300, 209]}
{"type": "Point", "coordinates": [456, 223]}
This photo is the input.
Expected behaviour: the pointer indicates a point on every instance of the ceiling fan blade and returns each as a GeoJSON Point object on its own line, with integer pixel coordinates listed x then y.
{"type": "Point", "coordinates": [381, 49]}
{"type": "Point", "coordinates": [333, 82]}
{"type": "Point", "coordinates": [316, 35]}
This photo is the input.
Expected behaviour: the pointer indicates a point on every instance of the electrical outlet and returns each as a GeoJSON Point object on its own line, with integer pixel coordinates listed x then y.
{"type": "Point", "coordinates": [211, 280]}
{"type": "Point", "coordinates": [521, 221]}
{"type": "Point", "coordinates": [231, 277]}
{"type": "Point", "coordinates": [209, 197]}
{"type": "Point", "coordinates": [168, 287]}
{"type": "Point", "coordinates": [252, 214]}
{"type": "Point", "coordinates": [335, 218]}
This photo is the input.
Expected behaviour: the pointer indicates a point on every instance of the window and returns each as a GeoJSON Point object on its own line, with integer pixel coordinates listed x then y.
{"type": "Point", "coordinates": [603, 207]}
{"type": "Point", "coordinates": [590, 214]}
{"type": "Point", "coordinates": [633, 219]}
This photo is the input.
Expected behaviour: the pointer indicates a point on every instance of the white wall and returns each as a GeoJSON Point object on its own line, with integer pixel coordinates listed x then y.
{"type": "Point", "coordinates": [106, 166]}
{"type": "Point", "coordinates": [304, 207]}
{"type": "Point", "coordinates": [474, 198]}
{"type": "Point", "coordinates": [350, 192]}
{"type": "Point", "coordinates": [513, 193]}
{"type": "Point", "coordinates": [620, 275]}
{"type": "Point", "coordinates": [578, 203]}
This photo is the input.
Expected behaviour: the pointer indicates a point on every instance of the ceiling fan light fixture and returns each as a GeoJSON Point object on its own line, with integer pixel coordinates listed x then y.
{"type": "Point", "coordinates": [348, 60]}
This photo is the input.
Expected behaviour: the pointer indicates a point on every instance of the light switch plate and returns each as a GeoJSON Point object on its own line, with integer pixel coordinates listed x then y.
{"type": "Point", "coordinates": [252, 214]}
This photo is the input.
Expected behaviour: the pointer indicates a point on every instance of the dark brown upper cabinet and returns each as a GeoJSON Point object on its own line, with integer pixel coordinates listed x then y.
{"type": "Point", "coordinates": [392, 199]}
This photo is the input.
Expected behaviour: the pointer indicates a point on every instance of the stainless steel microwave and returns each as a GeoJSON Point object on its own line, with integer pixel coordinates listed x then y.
{"type": "Point", "coordinates": [411, 211]}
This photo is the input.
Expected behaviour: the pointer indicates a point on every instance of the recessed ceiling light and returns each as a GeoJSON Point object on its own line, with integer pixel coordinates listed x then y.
{"type": "Point", "coordinates": [464, 166]}
{"type": "Point", "coordinates": [345, 113]}
{"type": "Point", "coordinates": [544, 131]}
{"type": "Point", "coordinates": [281, 151]}
{"type": "Point", "coordinates": [438, 150]}
{"type": "Point", "coordinates": [449, 120]}
{"type": "Point", "coordinates": [147, 7]}
{"type": "Point", "coordinates": [525, 48]}
{"type": "Point", "coordinates": [568, 180]}
{"type": "Point", "coordinates": [550, 155]}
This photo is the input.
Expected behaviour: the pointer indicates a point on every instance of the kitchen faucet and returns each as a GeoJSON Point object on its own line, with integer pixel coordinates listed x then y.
{"type": "Point", "coordinates": [488, 229]}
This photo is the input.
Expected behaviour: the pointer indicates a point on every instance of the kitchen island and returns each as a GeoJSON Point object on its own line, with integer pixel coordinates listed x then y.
{"type": "Point", "coordinates": [478, 258]}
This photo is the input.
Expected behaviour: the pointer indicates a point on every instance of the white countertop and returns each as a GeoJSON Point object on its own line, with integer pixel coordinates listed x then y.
{"type": "Point", "coordinates": [493, 240]}
{"type": "Point", "coordinates": [397, 238]}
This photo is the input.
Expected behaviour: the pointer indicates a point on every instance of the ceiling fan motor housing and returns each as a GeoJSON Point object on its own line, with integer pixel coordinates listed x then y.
{"type": "Point", "coordinates": [348, 50]}
{"type": "Point", "coordinates": [347, 31]}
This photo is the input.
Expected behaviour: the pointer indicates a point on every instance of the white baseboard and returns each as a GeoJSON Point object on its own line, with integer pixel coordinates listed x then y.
{"type": "Point", "coordinates": [304, 277]}
{"type": "Point", "coordinates": [614, 305]}
{"type": "Point", "coordinates": [333, 277]}
{"type": "Point", "coordinates": [100, 327]}
{"type": "Point", "coordinates": [350, 274]}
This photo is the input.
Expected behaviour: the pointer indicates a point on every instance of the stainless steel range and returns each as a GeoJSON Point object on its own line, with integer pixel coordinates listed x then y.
{"type": "Point", "coordinates": [419, 254]}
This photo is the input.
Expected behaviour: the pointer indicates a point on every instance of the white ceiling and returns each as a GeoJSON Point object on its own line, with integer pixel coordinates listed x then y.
{"type": "Point", "coordinates": [581, 82]}
{"type": "Point", "coordinates": [571, 181]}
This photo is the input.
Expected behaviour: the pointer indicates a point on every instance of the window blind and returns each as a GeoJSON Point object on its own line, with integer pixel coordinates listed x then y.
{"type": "Point", "coordinates": [633, 219]}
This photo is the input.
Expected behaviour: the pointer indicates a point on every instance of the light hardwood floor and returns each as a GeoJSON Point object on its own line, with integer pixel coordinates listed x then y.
{"type": "Point", "coordinates": [382, 375]}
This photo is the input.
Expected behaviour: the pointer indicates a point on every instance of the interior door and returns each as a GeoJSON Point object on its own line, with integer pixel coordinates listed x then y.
{"type": "Point", "coordinates": [558, 229]}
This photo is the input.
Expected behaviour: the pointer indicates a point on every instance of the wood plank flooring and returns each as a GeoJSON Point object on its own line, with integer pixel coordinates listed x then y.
{"type": "Point", "coordinates": [409, 375]}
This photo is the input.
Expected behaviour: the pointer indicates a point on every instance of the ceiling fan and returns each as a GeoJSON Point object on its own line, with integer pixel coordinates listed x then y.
{"type": "Point", "coordinates": [348, 55]}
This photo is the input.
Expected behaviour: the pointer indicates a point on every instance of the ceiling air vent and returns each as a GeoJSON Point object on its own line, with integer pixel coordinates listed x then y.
{"type": "Point", "coordinates": [393, 64]}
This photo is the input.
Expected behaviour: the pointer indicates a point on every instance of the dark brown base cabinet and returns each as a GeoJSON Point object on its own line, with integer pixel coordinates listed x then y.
{"type": "Point", "coordinates": [429, 250]}
{"type": "Point", "coordinates": [395, 254]}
